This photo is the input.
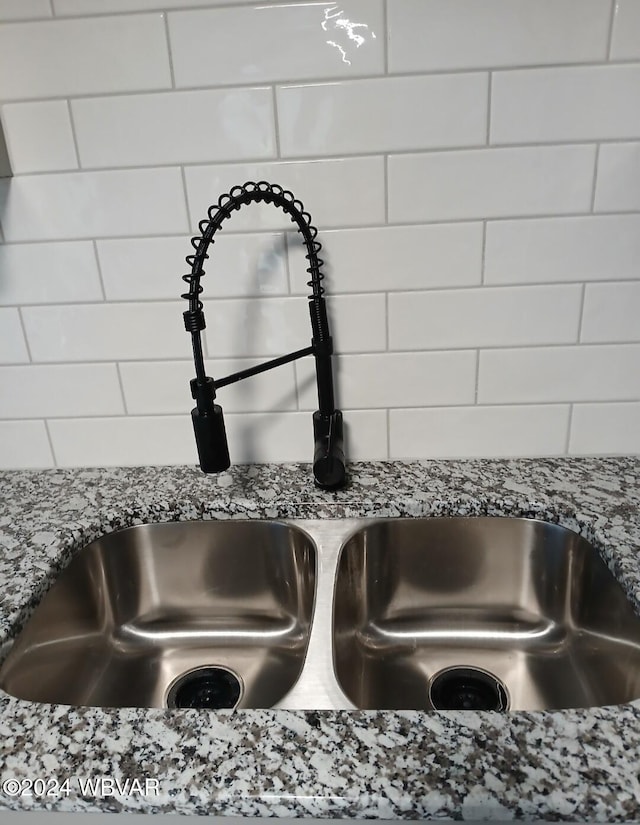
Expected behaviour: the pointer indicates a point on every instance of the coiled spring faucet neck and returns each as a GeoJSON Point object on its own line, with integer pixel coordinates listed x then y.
{"type": "Point", "coordinates": [208, 423]}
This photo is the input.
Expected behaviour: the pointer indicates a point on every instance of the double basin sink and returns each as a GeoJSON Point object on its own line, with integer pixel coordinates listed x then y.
{"type": "Point", "coordinates": [500, 614]}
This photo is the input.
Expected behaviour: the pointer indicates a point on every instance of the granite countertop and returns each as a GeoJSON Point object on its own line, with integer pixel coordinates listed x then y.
{"type": "Point", "coordinates": [577, 765]}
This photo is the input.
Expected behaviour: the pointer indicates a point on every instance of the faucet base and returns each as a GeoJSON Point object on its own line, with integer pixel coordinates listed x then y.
{"type": "Point", "coordinates": [328, 459]}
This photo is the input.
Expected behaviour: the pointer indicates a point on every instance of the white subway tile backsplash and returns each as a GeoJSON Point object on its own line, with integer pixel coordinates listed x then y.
{"type": "Point", "coordinates": [24, 9]}
{"type": "Point", "coordinates": [341, 192]}
{"type": "Point", "coordinates": [390, 379]}
{"type": "Point", "coordinates": [270, 437]}
{"type": "Point", "coordinates": [365, 435]}
{"type": "Point", "coordinates": [432, 35]}
{"type": "Point", "coordinates": [394, 258]}
{"type": "Point", "coordinates": [479, 282]}
{"type": "Point", "coordinates": [539, 250]}
{"type": "Point", "coordinates": [106, 332]}
{"type": "Point", "coordinates": [275, 326]}
{"type": "Point", "coordinates": [467, 432]}
{"type": "Point", "coordinates": [605, 429]}
{"type": "Point", "coordinates": [262, 43]}
{"type": "Point", "coordinates": [487, 317]}
{"type": "Point", "coordinates": [39, 137]}
{"type": "Point", "coordinates": [611, 312]}
{"type": "Point", "coordinates": [152, 440]}
{"type": "Point", "coordinates": [551, 374]}
{"type": "Point", "coordinates": [625, 44]}
{"type": "Point", "coordinates": [124, 441]}
{"type": "Point", "coordinates": [75, 57]}
{"type": "Point", "coordinates": [490, 183]}
{"type": "Point", "coordinates": [138, 269]}
{"type": "Point", "coordinates": [577, 103]}
{"type": "Point", "coordinates": [13, 348]}
{"type": "Point", "coordinates": [94, 204]}
{"type": "Point", "coordinates": [44, 273]}
{"type": "Point", "coordinates": [289, 436]}
{"type": "Point", "coordinates": [260, 327]}
{"type": "Point", "coordinates": [59, 390]}
{"type": "Point", "coordinates": [24, 445]}
{"type": "Point", "coordinates": [618, 181]}
{"type": "Point", "coordinates": [344, 117]}
{"type": "Point", "coordinates": [175, 127]}
{"type": "Point", "coordinates": [163, 387]}
{"type": "Point", "coordinates": [152, 268]}
{"type": "Point", "coordinates": [357, 322]}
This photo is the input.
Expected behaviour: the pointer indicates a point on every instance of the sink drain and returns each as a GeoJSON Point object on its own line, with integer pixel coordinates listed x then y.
{"type": "Point", "coordinates": [467, 688]}
{"type": "Point", "coordinates": [211, 687]}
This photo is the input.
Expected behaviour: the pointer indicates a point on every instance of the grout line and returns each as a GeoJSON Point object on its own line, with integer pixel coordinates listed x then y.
{"type": "Point", "coordinates": [171, 7]}
{"type": "Point", "coordinates": [475, 399]}
{"type": "Point", "coordinates": [581, 313]}
{"type": "Point", "coordinates": [41, 18]}
{"type": "Point", "coordinates": [340, 157]}
{"type": "Point", "coordinates": [385, 188]}
{"type": "Point", "coordinates": [595, 179]}
{"type": "Point", "coordinates": [489, 99]}
{"type": "Point", "coordinates": [114, 302]}
{"type": "Point", "coordinates": [122, 392]}
{"type": "Point", "coordinates": [178, 413]}
{"type": "Point", "coordinates": [569, 425]}
{"type": "Point", "coordinates": [242, 360]}
{"type": "Point", "coordinates": [74, 136]}
{"type": "Point", "coordinates": [385, 35]}
{"type": "Point", "coordinates": [285, 243]}
{"type": "Point", "coordinates": [186, 203]}
{"type": "Point", "coordinates": [165, 18]}
{"type": "Point", "coordinates": [276, 121]}
{"type": "Point", "coordinates": [24, 335]}
{"type": "Point", "coordinates": [348, 159]}
{"type": "Point", "coordinates": [388, 422]}
{"type": "Point", "coordinates": [370, 353]}
{"type": "Point", "coordinates": [298, 297]}
{"type": "Point", "coordinates": [100, 276]}
{"type": "Point", "coordinates": [297, 386]}
{"type": "Point", "coordinates": [50, 440]}
{"type": "Point", "coordinates": [381, 153]}
{"type": "Point", "coordinates": [612, 17]}
{"type": "Point", "coordinates": [386, 320]}
{"type": "Point", "coordinates": [483, 253]}
{"type": "Point", "coordinates": [2, 239]}
{"type": "Point", "coordinates": [261, 83]}
{"type": "Point", "coordinates": [107, 361]}
{"type": "Point", "coordinates": [373, 225]}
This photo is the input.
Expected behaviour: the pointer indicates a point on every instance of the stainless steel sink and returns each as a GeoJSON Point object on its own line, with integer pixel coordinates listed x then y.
{"type": "Point", "coordinates": [213, 614]}
{"type": "Point", "coordinates": [485, 613]}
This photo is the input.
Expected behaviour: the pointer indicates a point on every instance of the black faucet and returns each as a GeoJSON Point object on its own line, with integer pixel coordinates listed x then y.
{"type": "Point", "coordinates": [208, 422]}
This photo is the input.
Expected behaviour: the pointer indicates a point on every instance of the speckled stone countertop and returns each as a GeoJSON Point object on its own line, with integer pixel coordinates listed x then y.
{"type": "Point", "coordinates": [578, 765]}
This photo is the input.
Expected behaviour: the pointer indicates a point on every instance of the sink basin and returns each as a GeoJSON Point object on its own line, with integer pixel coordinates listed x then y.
{"type": "Point", "coordinates": [196, 614]}
{"type": "Point", "coordinates": [483, 613]}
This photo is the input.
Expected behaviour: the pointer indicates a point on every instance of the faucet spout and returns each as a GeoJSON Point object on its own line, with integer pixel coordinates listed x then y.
{"type": "Point", "coordinates": [208, 424]}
